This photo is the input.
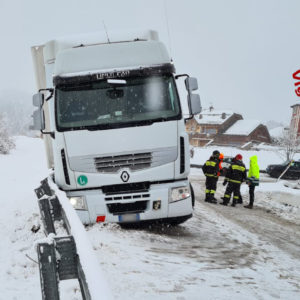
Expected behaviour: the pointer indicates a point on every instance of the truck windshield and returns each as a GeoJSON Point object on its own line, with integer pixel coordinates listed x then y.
{"type": "Point", "coordinates": [120, 103]}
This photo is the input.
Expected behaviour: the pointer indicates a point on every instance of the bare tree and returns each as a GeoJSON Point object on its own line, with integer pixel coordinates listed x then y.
{"type": "Point", "coordinates": [6, 142]}
{"type": "Point", "coordinates": [289, 144]}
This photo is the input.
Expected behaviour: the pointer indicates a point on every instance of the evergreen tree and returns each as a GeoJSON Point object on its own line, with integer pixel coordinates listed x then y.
{"type": "Point", "coordinates": [6, 142]}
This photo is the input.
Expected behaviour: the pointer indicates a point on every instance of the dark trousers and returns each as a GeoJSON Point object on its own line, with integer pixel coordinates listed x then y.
{"type": "Point", "coordinates": [211, 186]}
{"type": "Point", "coordinates": [251, 194]}
{"type": "Point", "coordinates": [240, 200]}
{"type": "Point", "coordinates": [234, 188]}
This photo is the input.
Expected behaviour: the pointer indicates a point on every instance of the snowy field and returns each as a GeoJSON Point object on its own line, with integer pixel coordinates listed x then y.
{"type": "Point", "coordinates": [221, 253]}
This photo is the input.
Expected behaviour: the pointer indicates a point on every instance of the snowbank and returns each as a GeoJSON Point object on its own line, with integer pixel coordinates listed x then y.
{"type": "Point", "coordinates": [91, 267]}
{"type": "Point", "coordinates": [278, 199]}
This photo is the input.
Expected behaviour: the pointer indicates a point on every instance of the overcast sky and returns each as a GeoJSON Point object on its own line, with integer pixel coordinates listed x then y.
{"type": "Point", "coordinates": [243, 52]}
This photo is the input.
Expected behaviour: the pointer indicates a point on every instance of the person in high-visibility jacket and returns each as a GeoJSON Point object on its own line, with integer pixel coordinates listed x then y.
{"type": "Point", "coordinates": [252, 179]}
{"type": "Point", "coordinates": [210, 170]}
{"type": "Point", "coordinates": [235, 175]}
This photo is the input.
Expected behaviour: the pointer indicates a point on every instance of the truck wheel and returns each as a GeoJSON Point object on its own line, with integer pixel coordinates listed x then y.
{"type": "Point", "coordinates": [192, 195]}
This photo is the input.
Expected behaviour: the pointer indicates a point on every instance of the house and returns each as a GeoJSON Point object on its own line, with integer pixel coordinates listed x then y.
{"type": "Point", "coordinates": [295, 121]}
{"type": "Point", "coordinates": [203, 128]}
{"type": "Point", "coordinates": [219, 127]}
{"type": "Point", "coordinates": [244, 132]}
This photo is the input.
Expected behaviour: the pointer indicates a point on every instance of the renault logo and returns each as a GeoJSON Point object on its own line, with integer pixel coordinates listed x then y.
{"type": "Point", "coordinates": [124, 176]}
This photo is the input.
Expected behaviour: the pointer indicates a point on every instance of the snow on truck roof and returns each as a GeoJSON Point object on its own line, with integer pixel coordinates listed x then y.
{"type": "Point", "coordinates": [52, 47]}
{"type": "Point", "coordinates": [110, 57]}
{"type": "Point", "coordinates": [243, 127]}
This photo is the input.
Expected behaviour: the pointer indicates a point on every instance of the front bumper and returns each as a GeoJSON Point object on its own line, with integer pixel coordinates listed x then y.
{"type": "Point", "coordinates": [137, 206]}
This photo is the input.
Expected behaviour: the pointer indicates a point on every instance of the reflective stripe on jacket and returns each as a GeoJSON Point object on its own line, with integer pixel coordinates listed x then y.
{"type": "Point", "coordinates": [236, 172]}
{"type": "Point", "coordinates": [211, 167]}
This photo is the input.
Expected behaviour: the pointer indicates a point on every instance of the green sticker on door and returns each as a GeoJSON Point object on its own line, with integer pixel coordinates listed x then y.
{"type": "Point", "coordinates": [82, 180]}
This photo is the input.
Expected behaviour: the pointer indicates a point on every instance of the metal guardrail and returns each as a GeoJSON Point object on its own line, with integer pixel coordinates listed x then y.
{"type": "Point", "coordinates": [58, 259]}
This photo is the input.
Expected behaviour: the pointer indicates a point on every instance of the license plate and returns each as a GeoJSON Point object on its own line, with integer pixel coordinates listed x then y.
{"type": "Point", "coordinates": [129, 218]}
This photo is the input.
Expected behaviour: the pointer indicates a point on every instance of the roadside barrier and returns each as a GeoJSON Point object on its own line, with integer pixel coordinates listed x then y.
{"type": "Point", "coordinates": [66, 257]}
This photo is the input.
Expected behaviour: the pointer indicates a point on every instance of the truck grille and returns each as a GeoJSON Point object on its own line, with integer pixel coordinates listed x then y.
{"type": "Point", "coordinates": [127, 197]}
{"type": "Point", "coordinates": [125, 208]}
{"type": "Point", "coordinates": [113, 164]}
{"type": "Point", "coordinates": [126, 188]}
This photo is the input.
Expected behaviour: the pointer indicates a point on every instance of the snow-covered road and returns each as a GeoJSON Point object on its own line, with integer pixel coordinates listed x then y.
{"type": "Point", "coordinates": [221, 253]}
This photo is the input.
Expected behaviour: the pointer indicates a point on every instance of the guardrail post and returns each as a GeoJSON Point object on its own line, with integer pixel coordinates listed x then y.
{"type": "Point", "coordinates": [48, 272]}
{"type": "Point", "coordinates": [46, 216]}
{"type": "Point", "coordinates": [67, 262]}
{"type": "Point", "coordinates": [65, 265]}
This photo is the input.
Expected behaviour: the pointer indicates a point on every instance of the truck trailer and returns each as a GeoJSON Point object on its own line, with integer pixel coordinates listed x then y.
{"type": "Point", "coordinates": [111, 118]}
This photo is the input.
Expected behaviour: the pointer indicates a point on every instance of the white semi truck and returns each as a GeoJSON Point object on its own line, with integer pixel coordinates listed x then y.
{"type": "Point", "coordinates": [110, 114]}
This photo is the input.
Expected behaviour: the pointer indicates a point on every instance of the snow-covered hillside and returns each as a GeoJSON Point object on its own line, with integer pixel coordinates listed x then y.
{"type": "Point", "coordinates": [221, 253]}
{"type": "Point", "coordinates": [21, 172]}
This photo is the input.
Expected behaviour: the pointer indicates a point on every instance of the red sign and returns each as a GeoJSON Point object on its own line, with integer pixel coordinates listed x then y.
{"type": "Point", "coordinates": [296, 76]}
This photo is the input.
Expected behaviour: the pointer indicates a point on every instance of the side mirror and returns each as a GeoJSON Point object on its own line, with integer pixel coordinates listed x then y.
{"type": "Point", "coordinates": [38, 120]}
{"type": "Point", "coordinates": [191, 84]}
{"type": "Point", "coordinates": [195, 105]}
{"type": "Point", "coordinates": [38, 100]}
{"type": "Point", "coordinates": [38, 114]}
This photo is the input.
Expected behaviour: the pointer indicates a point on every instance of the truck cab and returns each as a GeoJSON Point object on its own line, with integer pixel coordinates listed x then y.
{"type": "Point", "coordinates": [113, 125]}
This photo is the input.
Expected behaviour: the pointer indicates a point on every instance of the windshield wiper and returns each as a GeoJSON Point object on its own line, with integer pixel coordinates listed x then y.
{"type": "Point", "coordinates": [99, 127]}
{"type": "Point", "coordinates": [118, 125]}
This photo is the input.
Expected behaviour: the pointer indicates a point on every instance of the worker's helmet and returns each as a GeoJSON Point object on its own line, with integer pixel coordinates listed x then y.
{"type": "Point", "coordinates": [216, 153]}
{"type": "Point", "coordinates": [221, 156]}
{"type": "Point", "coordinates": [238, 157]}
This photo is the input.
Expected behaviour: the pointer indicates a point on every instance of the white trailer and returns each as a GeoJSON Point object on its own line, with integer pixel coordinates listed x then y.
{"type": "Point", "coordinates": [111, 117]}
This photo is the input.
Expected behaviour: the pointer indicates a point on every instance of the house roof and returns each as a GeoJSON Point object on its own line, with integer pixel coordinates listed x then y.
{"type": "Point", "coordinates": [217, 117]}
{"type": "Point", "coordinates": [296, 104]}
{"type": "Point", "coordinates": [277, 132]}
{"type": "Point", "coordinates": [243, 127]}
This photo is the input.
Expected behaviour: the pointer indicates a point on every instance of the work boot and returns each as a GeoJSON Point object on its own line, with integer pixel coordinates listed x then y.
{"type": "Point", "coordinates": [214, 201]}
{"type": "Point", "coordinates": [249, 206]}
{"type": "Point", "coordinates": [233, 204]}
{"type": "Point", "coordinates": [225, 203]}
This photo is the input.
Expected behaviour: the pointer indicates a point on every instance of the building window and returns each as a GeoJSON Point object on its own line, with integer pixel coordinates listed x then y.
{"type": "Point", "coordinates": [208, 130]}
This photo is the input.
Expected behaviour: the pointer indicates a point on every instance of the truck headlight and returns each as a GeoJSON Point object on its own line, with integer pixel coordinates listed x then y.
{"type": "Point", "coordinates": [78, 202]}
{"type": "Point", "coordinates": [179, 193]}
